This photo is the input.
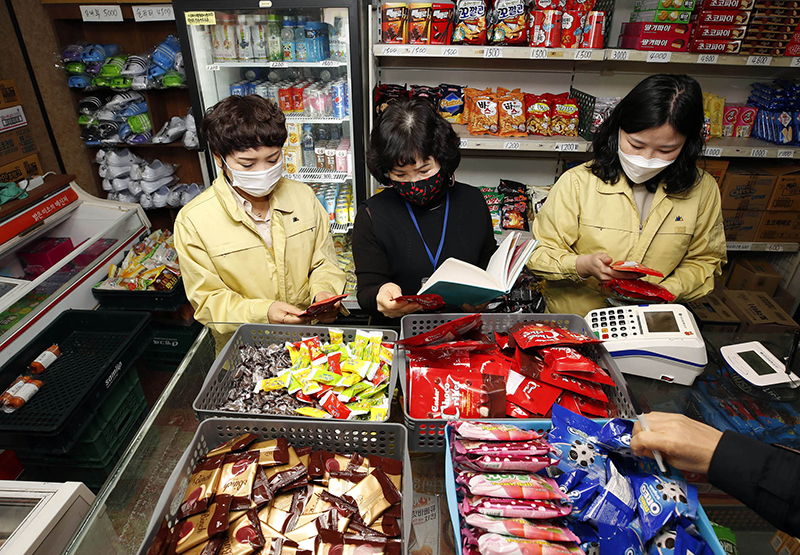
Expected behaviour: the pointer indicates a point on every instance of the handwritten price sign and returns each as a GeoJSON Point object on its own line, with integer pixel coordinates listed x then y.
{"type": "Point", "coordinates": [155, 12]}
{"type": "Point", "coordinates": [94, 14]}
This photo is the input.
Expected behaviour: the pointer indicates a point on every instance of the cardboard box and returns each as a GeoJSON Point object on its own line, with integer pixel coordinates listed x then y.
{"type": "Point", "coordinates": [657, 30]}
{"type": "Point", "coordinates": [727, 4]}
{"type": "Point", "coordinates": [16, 144]}
{"type": "Point", "coordinates": [779, 227]}
{"type": "Point", "coordinates": [751, 274]}
{"type": "Point", "coordinates": [746, 190]}
{"type": "Point", "coordinates": [719, 32]}
{"type": "Point", "coordinates": [716, 168]}
{"type": "Point", "coordinates": [758, 312]}
{"type": "Point", "coordinates": [778, 540]}
{"type": "Point", "coordinates": [790, 546]}
{"type": "Point", "coordinates": [726, 17]}
{"type": "Point", "coordinates": [12, 118]}
{"type": "Point", "coordinates": [9, 94]}
{"type": "Point", "coordinates": [786, 194]}
{"type": "Point", "coordinates": [704, 46]}
{"type": "Point", "coordinates": [741, 225]}
{"type": "Point", "coordinates": [672, 5]}
{"type": "Point", "coordinates": [43, 254]}
{"type": "Point", "coordinates": [20, 169]}
{"type": "Point", "coordinates": [783, 298]}
{"type": "Point", "coordinates": [661, 16]}
{"type": "Point", "coordinates": [712, 314]}
{"type": "Point", "coordinates": [657, 44]}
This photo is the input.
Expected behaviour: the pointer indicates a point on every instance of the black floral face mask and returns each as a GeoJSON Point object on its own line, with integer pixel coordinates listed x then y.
{"type": "Point", "coordinates": [423, 191]}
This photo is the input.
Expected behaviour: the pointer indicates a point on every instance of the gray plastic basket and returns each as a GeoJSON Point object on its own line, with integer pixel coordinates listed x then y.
{"type": "Point", "coordinates": [218, 381]}
{"type": "Point", "coordinates": [428, 434]}
{"type": "Point", "coordinates": [365, 438]}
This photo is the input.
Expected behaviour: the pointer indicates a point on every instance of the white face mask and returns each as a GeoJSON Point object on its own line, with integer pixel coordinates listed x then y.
{"type": "Point", "coordinates": [638, 168]}
{"type": "Point", "coordinates": [257, 183]}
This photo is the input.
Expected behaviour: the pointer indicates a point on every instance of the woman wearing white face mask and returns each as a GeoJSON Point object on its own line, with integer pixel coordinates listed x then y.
{"type": "Point", "coordinates": [255, 247]}
{"type": "Point", "coordinates": [641, 198]}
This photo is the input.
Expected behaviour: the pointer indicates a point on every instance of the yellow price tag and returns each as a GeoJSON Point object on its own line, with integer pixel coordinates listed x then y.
{"type": "Point", "coordinates": [201, 18]}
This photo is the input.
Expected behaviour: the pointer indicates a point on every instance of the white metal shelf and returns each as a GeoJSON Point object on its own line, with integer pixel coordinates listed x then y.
{"type": "Point", "coordinates": [763, 247]}
{"type": "Point", "coordinates": [299, 118]}
{"type": "Point", "coordinates": [531, 143]}
{"type": "Point", "coordinates": [275, 65]}
{"type": "Point", "coordinates": [318, 175]}
{"type": "Point", "coordinates": [748, 148]}
{"type": "Point", "coordinates": [579, 54]}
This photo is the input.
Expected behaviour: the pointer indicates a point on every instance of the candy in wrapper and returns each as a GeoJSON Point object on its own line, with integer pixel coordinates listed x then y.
{"type": "Point", "coordinates": [239, 443]}
{"type": "Point", "coordinates": [236, 480]}
{"type": "Point", "coordinates": [198, 528]}
{"type": "Point", "coordinates": [615, 505]}
{"type": "Point", "coordinates": [521, 528]}
{"type": "Point", "coordinates": [48, 357]}
{"type": "Point", "coordinates": [662, 500]}
{"type": "Point", "coordinates": [244, 536]}
{"type": "Point", "coordinates": [337, 336]}
{"type": "Point", "coordinates": [518, 448]}
{"type": "Point", "coordinates": [510, 486]}
{"type": "Point", "coordinates": [202, 486]}
{"type": "Point", "coordinates": [440, 393]}
{"type": "Point", "coordinates": [566, 360]}
{"type": "Point", "coordinates": [272, 452]}
{"type": "Point", "coordinates": [495, 544]}
{"type": "Point", "coordinates": [541, 335]}
{"type": "Point", "coordinates": [615, 435]}
{"type": "Point", "coordinates": [583, 405]}
{"type": "Point", "coordinates": [516, 411]}
{"type": "Point", "coordinates": [636, 267]}
{"type": "Point", "coordinates": [570, 383]}
{"type": "Point", "coordinates": [514, 508]}
{"type": "Point", "coordinates": [162, 539]}
{"type": "Point", "coordinates": [373, 495]}
{"type": "Point", "coordinates": [639, 289]}
{"type": "Point", "coordinates": [483, 431]}
{"type": "Point", "coordinates": [531, 395]}
{"type": "Point", "coordinates": [428, 302]}
{"type": "Point", "coordinates": [629, 539]}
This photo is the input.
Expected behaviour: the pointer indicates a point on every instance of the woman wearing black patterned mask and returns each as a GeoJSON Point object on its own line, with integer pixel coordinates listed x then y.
{"type": "Point", "coordinates": [423, 217]}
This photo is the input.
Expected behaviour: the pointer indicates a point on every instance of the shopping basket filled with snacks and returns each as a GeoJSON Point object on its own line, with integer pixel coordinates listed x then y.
{"type": "Point", "coordinates": [566, 485]}
{"type": "Point", "coordinates": [282, 485]}
{"type": "Point", "coordinates": [494, 366]}
{"type": "Point", "coordinates": [311, 372]}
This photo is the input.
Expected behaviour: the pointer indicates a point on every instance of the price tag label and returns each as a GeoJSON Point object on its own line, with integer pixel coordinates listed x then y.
{"type": "Point", "coordinates": [583, 54]}
{"type": "Point", "coordinates": [200, 18]}
{"type": "Point", "coordinates": [155, 12]}
{"type": "Point", "coordinates": [786, 153]}
{"type": "Point", "coordinates": [212, 67]}
{"type": "Point", "coordinates": [419, 51]}
{"type": "Point", "coordinates": [795, 62]}
{"type": "Point", "coordinates": [327, 176]}
{"type": "Point", "coordinates": [758, 153]}
{"type": "Point", "coordinates": [278, 64]}
{"type": "Point", "coordinates": [759, 60]}
{"type": "Point", "coordinates": [620, 55]}
{"type": "Point", "coordinates": [493, 52]}
{"type": "Point", "coordinates": [659, 57]}
{"type": "Point", "coordinates": [538, 53]}
{"type": "Point", "coordinates": [511, 145]}
{"type": "Point", "coordinates": [329, 63]}
{"type": "Point", "coordinates": [716, 152]}
{"type": "Point", "coordinates": [567, 147]}
{"type": "Point", "coordinates": [739, 246]}
{"type": "Point", "coordinates": [389, 51]}
{"type": "Point", "coordinates": [775, 247]}
{"type": "Point", "coordinates": [462, 143]}
{"type": "Point", "coordinates": [450, 51]}
{"type": "Point", "coordinates": [707, 59]}
{"type": "Point", "coordinates": [93, 14]}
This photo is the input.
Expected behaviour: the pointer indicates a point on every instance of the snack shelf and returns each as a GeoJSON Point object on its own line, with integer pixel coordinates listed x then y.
{"type": "Point", "coordinates": [296, 118]}
{"type": "Point", "coordinates": [763, 247]}
{"type": "Point", "coordinates": [749, 148]}
{"type": "Point", "coordinates": [316, 175]}
{"type": "Point", "coordinates": [579, 54]}
{"type": "Point", "coordinates": [532, 143]}
{"type": "Point", "coordinates": [275, 65]}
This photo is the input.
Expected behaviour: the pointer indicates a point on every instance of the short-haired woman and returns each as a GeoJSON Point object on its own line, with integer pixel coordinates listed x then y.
{"type": "Point", "coordinates": [641, 198]}
{"type": "Point", "coordinates": [255, 247]}
{"type": "Point", "coordinates": [423, 217]}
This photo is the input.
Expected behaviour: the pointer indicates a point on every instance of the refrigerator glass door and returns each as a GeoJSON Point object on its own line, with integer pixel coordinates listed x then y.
{"type": "Point", "coordinates": [15, 511]}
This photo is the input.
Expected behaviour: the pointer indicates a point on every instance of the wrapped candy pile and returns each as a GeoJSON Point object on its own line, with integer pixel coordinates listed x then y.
{"type": "Point", "coordinates": [579, 489]}
{"type": "Point", "coordinates": [341, 380]}
{"type": "Point", "coordinates": [455, 371]}
{"type": "Point", "coordinates": [151, 265]}
{"type": "Point", "coordinates": [267, 497]}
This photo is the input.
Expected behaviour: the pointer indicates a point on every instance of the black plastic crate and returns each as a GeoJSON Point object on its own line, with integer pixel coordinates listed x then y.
{"type": "Point", "coordinates": [169, 345]}
{"type": "Point", "coordinates": [142, 300]}
{"type": "Point", "coordinates": [97, 347]}
{"type": "Point", "coordinates": [586, 104]}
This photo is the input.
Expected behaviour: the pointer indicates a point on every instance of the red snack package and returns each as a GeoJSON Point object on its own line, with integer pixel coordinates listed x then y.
{"type": "Point", "coordinates": [439, 393]}
{"type": "Point", "coordinates": [545, 28]}
{"type": "Point", "coordinates": [569, 362]}
{"type": "Point", "coordinates": [320, 306]}
{"type": "Point", "coordinates": [538, 334]}
{"type": "Point", "coordinates": [501, 339]}
{"type": "Point", "coordinates": [331, 403]}
{"type": "Point", "coordinates": [452, 347]}
{"type": "Point", "coordinates": [510, 486]}
{"type": "Point", "coordinates": [545, 5]}
{"type": "Point", "coordinates": [638, 289]}
{"type": "Point", "coordinates": [533, 396]}
{"type": "Point", "coordinates": [442, 23]}
{"type": "Point", "coordinates": [448, 331]}
{"type": "Point", "coordinates": [572, 28]}
{"type": "Point", "coordinates": [516, 411]}
{"type": "Point", "coordinates": [537, 114]}
{"type": "Point", "coordinates": [428, 302]}
{"type": "Point", "coordinates": [514, 508]}
{"type": "Point", "coordinates": [631, 266]}
{"type": "Point", "coordinates": [565, 116]}
{"type": "Point", "coordinates": [593, 35]}
{"type": "Point", "coordinates": [491, 363]}
{"type": "Point", "coordinates": [583, 405]}
{"type": "Point", "coordinates": [581, 387]}
{"type": "Point", "coordinates": [504, 463]}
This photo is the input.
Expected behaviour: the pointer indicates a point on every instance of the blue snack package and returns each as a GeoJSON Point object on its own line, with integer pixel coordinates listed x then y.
{"type": "Point", "coordinates": [580, 496]}
{"type": "Point", "coordinates": [735, 412]}
{"type": "Point", "coordinates": [588, 535]}
{"type": "Point", "coordinates": [615, 505]}
{"type": "Point", "coordinates": [615, 435]}
{"type": "Point", "coordinates": [574, 439]}
{"type": "Point", "coordinates": [707, 411]}
{"type": "Point", "coordinates": [566, 480]}
{"type": "Point", "coordinates": [663, 543]}
{"type": "Point", "coordinates": [687, 544]}
{"type": "Point", "coordinates": [662, 500]}
{"type": "Point", "coordinates": [628, 540]}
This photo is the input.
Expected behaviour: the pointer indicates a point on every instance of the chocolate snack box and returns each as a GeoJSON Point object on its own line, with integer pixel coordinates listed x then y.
{"type": "Point", "coordinates": [719, 32]}
{"type": "Point", "coordinates": [656, 30]}
{"type": "Point", "coordinates": [707, 5]}
{"type": "Point", "coordinates": [654, 44]}
{"type": "Point", "coordinates": [702, 46]}
{"type": "Point", "coordinates": [726, 17]}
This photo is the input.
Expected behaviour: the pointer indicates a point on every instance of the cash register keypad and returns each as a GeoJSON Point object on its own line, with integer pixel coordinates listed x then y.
{"type": "Point", "coordinates": [614, 323]}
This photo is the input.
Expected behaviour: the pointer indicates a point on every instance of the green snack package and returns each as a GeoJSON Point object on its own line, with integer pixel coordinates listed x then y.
{"type": "Point", "coordinates": [727, 538]}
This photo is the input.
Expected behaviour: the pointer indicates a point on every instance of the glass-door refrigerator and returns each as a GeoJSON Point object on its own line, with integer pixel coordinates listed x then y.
{"type": "Point", "coordinates": [306, 56]}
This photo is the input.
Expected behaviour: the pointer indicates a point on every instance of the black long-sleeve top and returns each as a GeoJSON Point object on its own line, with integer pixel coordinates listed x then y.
{"type": "Point", "coordinates": [764, 477]}
{"type": "Point", "coordinates": [388, 249]}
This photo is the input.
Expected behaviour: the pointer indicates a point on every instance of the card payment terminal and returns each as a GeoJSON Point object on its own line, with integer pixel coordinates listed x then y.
{"type": "Point", "coordinates": [661, 341]}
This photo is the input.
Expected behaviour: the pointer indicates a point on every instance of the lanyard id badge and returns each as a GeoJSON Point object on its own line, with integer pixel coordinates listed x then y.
{"type": "Point", "coordinates": [434, 260]}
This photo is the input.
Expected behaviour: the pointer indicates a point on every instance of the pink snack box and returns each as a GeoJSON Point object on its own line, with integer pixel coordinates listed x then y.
{"type": "Point", "coordinates": [92, 252]}
{"type": "Point", "coordinates": [729, 118]}
{"type": "Point", "coordinates": [747, 118]}
{"type": "Point", "coordinates": [41, 255]}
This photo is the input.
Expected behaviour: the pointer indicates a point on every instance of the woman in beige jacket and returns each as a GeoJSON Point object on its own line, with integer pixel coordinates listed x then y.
{"type": "Point", "coordinates": [641, 198]}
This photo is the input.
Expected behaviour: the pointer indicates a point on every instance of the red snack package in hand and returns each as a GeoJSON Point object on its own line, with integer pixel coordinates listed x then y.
{"type": "Point", "coordinates": [533, 396]}
{"type": "Point", "coordinates": [631, 266]}
{"type": "Point", "coordinates": [639, 289]}
{"type": "Point", "coordinates": [581, 387]}
{"type": "Point", "coordinates": [439, 393]}
{"type": "Point", "coordinates": [321, 306]}
{"type": "Point", "coordinates": [538, 334]}
{"type": "Point", "coordinates": [449, 331]}
{"type": "Point", "coordinates": [428, 302]}
{"type": "Point", "coordinates": [583, 405]}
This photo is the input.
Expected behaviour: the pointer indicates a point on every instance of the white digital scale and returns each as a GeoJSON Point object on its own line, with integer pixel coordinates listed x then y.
{"type": "Point", "coordinates": [660, 341]}
{"type": "Point", "coordinates": [757, 365]}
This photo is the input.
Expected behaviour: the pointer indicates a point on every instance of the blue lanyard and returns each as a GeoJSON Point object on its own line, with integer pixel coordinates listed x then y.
{"type": "Point", "coordinates": [434, 261]}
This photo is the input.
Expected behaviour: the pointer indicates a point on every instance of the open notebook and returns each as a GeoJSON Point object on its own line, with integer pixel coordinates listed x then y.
{"type": "Point", "coordinates": [458, 282]}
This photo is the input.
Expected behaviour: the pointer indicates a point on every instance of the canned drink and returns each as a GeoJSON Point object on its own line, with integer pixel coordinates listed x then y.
{"type": "Point", "coordinates": [237, 89]}
{"type": "Point", "coordinates": [262, 90]}
{"type": "Point", "coordinates": [297, 97]}
{"type": "Point", "coordinates": [338, 100]}
{"type": "Point", "coordinates": [285, 99]}
{"type": "Point", "coordinates": [249, 87]}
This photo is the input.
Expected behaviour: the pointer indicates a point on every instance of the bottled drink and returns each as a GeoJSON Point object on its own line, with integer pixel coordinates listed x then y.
{"type": "Point", "coordinates": [322, 133]}
{"type": "Point", "coordinates": [225, 38]}
{"type": "Point", "coordinates": [244, 39]}
{"type": "Point", "coordinates": [300, 39]}
{"type": "Point", "coordinates": [287, 38]}
{"type": "Point", "coordinates": [309, 158]}
{"type": "Point", "coordinates": [336, 132]}
{"type": "Point", "coordinates": [259, 36]}
{"type": "Point", "coordinates": [274, 39]}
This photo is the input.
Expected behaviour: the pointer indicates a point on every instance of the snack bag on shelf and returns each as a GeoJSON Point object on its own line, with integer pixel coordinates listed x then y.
{"type": "Point", "coordinates": [471, 22]}
{"type": "Point", "coordinates": [451, 103]}
{"type": "Point", "coordinates": [510, 23]}
{"type": "Point", "coordinates": [565, 116]}
{"type": "Point", "coordinates": [512, 114]}
{"type": "Point", "coordinates": [483, 116]}
{"type": "Point", "coordinates": [537, 111]}
{"type": "Point", "coordinates": [714, 106]}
